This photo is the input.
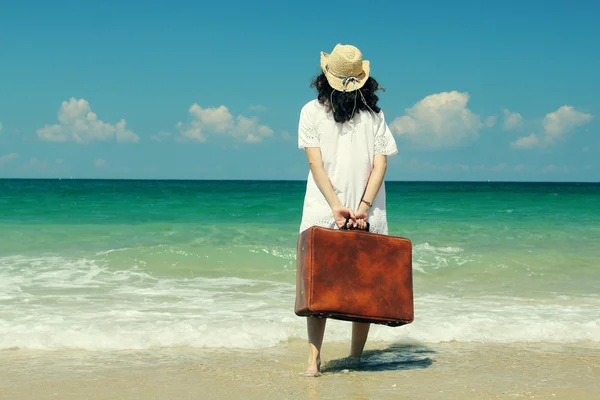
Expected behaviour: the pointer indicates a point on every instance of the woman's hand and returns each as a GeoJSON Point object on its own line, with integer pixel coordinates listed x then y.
{"type": "Point", "coordinates": [341, 214]}
{"type": "Point", "coordinates": [361, 216]}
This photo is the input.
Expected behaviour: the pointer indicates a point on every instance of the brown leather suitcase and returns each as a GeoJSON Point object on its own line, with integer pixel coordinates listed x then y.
{"type": "Point", "coordinates": [354, 275]}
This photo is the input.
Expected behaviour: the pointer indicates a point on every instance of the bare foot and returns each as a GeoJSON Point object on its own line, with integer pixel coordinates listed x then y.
{"type": "Point", "coordinates": [310, 373]}
{"type": "Point", "coordinates": [313, 369]}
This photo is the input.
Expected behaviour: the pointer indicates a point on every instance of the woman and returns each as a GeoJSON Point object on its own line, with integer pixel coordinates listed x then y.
{"type": "Point", "coordinates": [347, 142]}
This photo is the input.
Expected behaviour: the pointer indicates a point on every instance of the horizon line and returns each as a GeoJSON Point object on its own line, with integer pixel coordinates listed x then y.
{"type": "Point", "coordinates": [283, 180]}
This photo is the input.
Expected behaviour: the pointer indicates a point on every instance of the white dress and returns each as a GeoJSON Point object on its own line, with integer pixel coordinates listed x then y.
{"type": "Point", "coordinates": [347, 150]}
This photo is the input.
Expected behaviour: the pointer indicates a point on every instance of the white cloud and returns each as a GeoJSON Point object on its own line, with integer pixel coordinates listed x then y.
{"type": "Point", "coordinates": [219, 120]}
{"type": "Point", "coordinates": [79, 124]}
{"type": "Point", "coordinates": [8, 157]}
{"type": "Point", "coordinates": [440, 120]}
{"type": "Point", "coordinates": [285, 135]}
{"type": "Point", "coordinates": [258, 108]}
{"type": "Point", "coordinates": [526, 142]}
{"type": "Point", "coordinates": [557, 125]}
{"type": "Point", "coordinates": [490, 121]}
{"type": "Point", "coordinates": [251, 138]}
{"type": "Point", "coordinates": [100, 163]}
{"type": "Point", "coordinates": [512, 120]}
{"type": "Point", "coordinates": [562, 121]}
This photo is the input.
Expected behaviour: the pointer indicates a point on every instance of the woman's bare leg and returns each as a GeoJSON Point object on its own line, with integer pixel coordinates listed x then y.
{"type": "Point", "coordinates": [316, 331]}
{"type": "Point", "coordinates": [360, 332]}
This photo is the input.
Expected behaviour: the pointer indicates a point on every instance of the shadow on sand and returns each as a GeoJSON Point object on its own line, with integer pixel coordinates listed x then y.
{"type": "Point", "coordinates": [396, 357]}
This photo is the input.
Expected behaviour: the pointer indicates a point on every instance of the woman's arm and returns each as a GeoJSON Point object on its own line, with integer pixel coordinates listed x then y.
{"type": "Point", "coordinates": [340, 211]}
{"type": "Point", "coordinates": [373, 186]}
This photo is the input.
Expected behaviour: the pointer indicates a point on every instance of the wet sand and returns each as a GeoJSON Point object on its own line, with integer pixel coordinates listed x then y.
{"type": "Point", "coordinates": [400, 371]}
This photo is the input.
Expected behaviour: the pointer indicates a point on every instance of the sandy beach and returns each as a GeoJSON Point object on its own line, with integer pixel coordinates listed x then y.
{"type": "Point", "coordinates": [401, 371]}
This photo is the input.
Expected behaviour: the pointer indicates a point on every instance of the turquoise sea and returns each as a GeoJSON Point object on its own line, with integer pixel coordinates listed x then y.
{"type": "Point", "coordinates": [110, 265]}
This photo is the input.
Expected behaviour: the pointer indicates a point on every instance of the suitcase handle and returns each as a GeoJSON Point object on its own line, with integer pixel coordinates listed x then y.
{"type": "Point", "coordinates": [345, 227]}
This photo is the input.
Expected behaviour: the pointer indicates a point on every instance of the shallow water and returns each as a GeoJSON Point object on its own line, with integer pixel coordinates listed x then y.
{"type": "Point", "coordinates": [123, 265]}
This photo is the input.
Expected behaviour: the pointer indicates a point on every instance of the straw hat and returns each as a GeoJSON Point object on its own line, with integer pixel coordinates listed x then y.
{"type": "Point", "coordinates": [344, 68]}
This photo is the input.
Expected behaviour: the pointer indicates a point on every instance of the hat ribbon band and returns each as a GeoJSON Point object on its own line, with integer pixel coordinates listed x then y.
{"type": "Point", "coordinates": [345, 79]}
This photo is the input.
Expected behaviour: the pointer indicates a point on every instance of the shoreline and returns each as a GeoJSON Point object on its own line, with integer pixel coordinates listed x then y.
{"type": "Point", "coordinates": [388, 371]}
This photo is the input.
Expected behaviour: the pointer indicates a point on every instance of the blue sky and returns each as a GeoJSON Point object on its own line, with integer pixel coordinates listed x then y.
{"type": "Point", "coordinates": [504, 90]}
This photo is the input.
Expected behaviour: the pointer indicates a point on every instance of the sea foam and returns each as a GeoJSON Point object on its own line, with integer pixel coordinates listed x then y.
{"type": "Point", "coordinates": [60, 303]}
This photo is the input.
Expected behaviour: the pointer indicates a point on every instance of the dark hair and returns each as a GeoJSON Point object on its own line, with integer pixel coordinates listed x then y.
{"type": "Point", "coordinates": [343, 102]}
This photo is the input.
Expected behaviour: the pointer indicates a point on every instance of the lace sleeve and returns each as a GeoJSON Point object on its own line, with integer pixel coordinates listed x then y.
{"type": "Point", "coordinates": [384, 140]}
{"type": "Point", "coordinates": [307, 134]}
